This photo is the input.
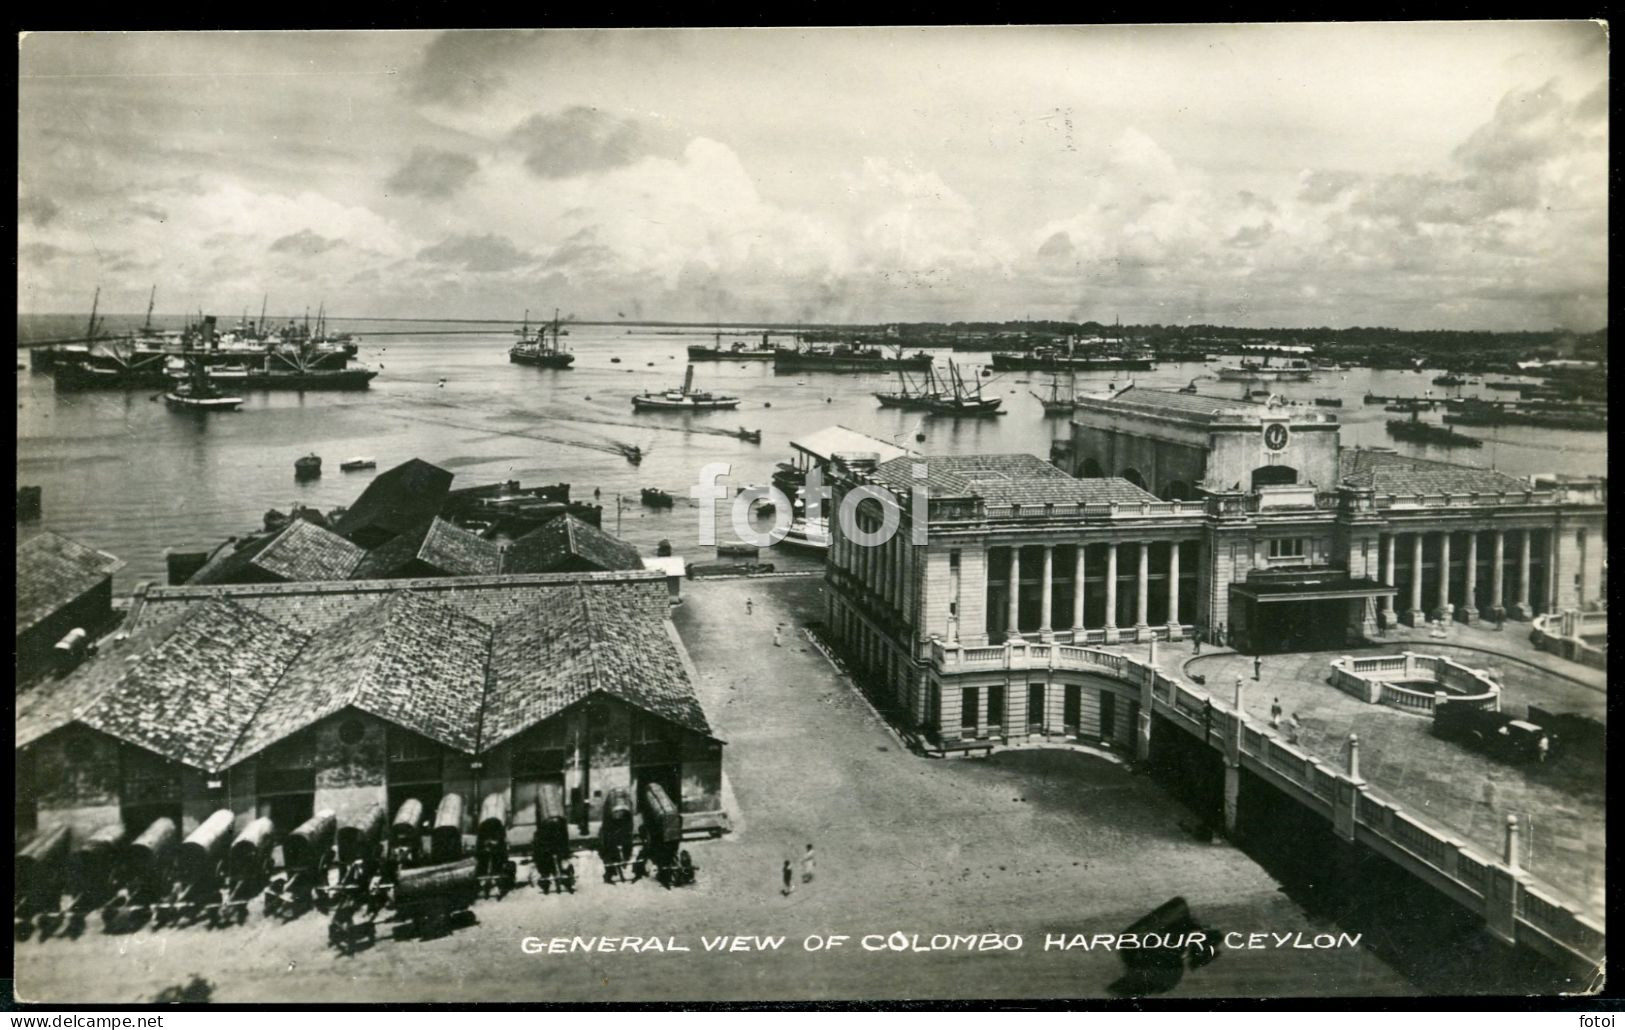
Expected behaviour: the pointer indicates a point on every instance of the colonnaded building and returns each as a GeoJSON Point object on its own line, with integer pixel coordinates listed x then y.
{"type": "Point", "coordinates": [1248, 524]}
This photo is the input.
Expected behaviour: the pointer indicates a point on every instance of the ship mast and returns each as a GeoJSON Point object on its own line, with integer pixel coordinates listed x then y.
{"type": "Point", "coordinates": [259, 330]}
{"type": "Point", "coordinates": [151, 299]}
{"type": "Point", "coordinates": [90, 330]}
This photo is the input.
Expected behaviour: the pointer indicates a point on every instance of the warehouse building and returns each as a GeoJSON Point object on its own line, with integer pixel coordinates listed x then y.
{"type": "Point", "coordinates": [62, 585]}
{"type": "Point", "coordinates": [283, 699]}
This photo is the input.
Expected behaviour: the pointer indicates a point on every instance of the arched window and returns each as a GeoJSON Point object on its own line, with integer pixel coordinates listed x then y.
{"type": "Point", "coordinates": [1092, 469]}
{"type": "Point", "coordinates": [1132, 474]}
{"type": "Point", "coordinates": [1274, 475]}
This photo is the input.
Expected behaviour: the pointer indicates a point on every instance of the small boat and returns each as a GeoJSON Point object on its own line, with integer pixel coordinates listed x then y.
{"type": "Point", "coordinates": [633, 453]}
{"type": "Point", "coordinates": [308, 467]}
{"type": "Point", "coordinates": [749, 435]}
{"type": "Point", "coordinates": [1329, 402]}
{"type": "Point", "coordinates": [1056, 403]}
{"type": "Point", "coordinates": [357, 464]}
{"type": "Point", "coordinates": [1449, 380]}
{"type": "Point", "coordinates": [684, 398]}
{"type": "Point", "coordinates": [654, 498]}
{"type": "Point", "coordinates": [1189, 387]}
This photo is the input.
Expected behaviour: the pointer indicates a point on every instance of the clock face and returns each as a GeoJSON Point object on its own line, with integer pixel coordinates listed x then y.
{"type": "Point", "coordinates": [1275, 436]}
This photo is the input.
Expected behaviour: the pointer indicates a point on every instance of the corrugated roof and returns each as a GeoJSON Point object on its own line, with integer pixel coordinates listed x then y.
{"type": "Point", "coordinates": [418, 664]}
{"type": "Point", "coordinates": [548, 657]}
{"type": "Point", "coordinates": [52, 571]}
{"type": "Point", "coordinates": [1388, 472]}
{"type": "Point", "coordinates": [833, 440]}
{"type": "Point", "coordinates": [557, 541]}
{"type": "Point", "coordinates": [1187, 405]}
{"type": "Point", "coordinates": [186, 690]}
{"type": "Point", "coordinates": [1006, 479]}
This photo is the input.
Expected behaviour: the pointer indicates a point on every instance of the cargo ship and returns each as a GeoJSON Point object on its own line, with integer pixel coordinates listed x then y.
{"type": "Point", "coordinates": [1414, 430]}
{"type": "Point", "coordinates": [847, 357]}
{"type": "Point", "coordinates": [536, 350]}
{"type": "Point", "coordinates": [739, 350]}
{"type": "Point", "coordinates": [1051, 359]}
{"type": "Point", "coordinates": [1289, 370]}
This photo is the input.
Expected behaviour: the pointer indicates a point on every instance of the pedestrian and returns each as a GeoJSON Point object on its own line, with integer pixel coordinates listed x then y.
{"type": "Point", "coordinates": [1258, 665]}
{"type": "Point", "coordinates": [789, 878]}
{"type": "Point", "coordinates": [776, 641]}
{"type": "Point", "coordinates": [1275, 714]}
{"type": "Point", "coordinates": [807, 856]}
{"type": "Point", "coordinates": [1500, 619]}
{"type": "Point", "coordinates": [1198, 639]}
{"type": "Point", "coordinates": [1543, 745]}
{"type": "Point", "coordinates": [748, 606]}
{"type": "Point", "coordinates": [1294, 726]}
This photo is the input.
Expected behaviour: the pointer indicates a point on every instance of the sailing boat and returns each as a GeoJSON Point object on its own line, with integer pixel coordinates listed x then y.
{"type": "Point", "coordinates": [536, 350]}
{"type": "Point", "coordinates": [685, 398]}
{"type": "Point", "coordinates": [1056, 403]}
{"type": "Point", "coordinates": [939, 398]}
{"type": "Point", "coordinates": [197, 393]}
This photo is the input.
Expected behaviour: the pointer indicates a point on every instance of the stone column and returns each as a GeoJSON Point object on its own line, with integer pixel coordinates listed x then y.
{"type": "Point", "coordinates": [1388, 616]}
{"type": "Point", "coordinates": [1014, 607]}
{"type": "Point", "coordinates": [1232, 766]}
{"type": "Point", "coordinates": [1112, 635]}
{"type": "Point", "coordinates": [1522, 608]}
{"type": "Point", "coordinates": [1417, 616]}
{"type": "Point", "coordinates": [1175, 630]}
{"type": "Point", "coordinates": [1046, 604]}
{"type": "Point", "coordinates": [1497, 592]}
{"type": "Point", "coordinates": [1469, 600]}
{"type": "Point", "coordinates": [1077, 597]}
{"type": "Point", "coordinates": [1142, 600]}
{"type": "Point", "coordinates": [1446, 609]}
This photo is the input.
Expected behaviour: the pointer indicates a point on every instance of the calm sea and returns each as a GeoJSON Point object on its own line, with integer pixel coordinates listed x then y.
{"type": "Point", "coordinates": [123, 473]}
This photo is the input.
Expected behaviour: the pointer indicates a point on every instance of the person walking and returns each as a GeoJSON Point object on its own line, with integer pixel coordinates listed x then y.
{"type": "Point", "coordinates": [748, 606]}
{"type": "Point", "coordinates": [1293, 728]}
{"type": "Point", "coordinates": [1275, 715]}
{"type": "Point", "coordinates": [776, 641]}
{"type": "Point", "coordinates": [1197, 638]}
{"type": "Point", "coordinates": [789, 878]}
{"type": "Point", "coordinates": [807, 861]}
{"type": "Point", "coordinates": [1543, 745]}
{"type": "Point", "coordinates": [1258, 666]}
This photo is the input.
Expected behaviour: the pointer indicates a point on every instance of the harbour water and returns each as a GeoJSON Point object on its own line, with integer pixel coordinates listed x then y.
{"type": "Point", "coordinates": [123, 473]}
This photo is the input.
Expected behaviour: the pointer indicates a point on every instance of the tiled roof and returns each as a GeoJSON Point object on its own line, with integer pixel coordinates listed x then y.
{"type": "Point", "coordinates": [1006, 479]}
{"type": "Point", "coordinates": [566, 537]}
{"type": "Point", "coordinates": [397, 499]}
{"type": "Point", "coordinates": [52, 571]}
{"type": "Point", "coordinates": [418, 664]}
{"type": "Point", "coordinates": [209, 676]}
{"type": "Point", "coordinates": [186, 690]}
{"type": "Point", "coordinates": [301, 552]}
{"type": "Point", "coordinates": [549, 657]}
{"type": "Point", "coordinates": [436, 543]}
{"type": "Point", "coordinates": [1388, 472]}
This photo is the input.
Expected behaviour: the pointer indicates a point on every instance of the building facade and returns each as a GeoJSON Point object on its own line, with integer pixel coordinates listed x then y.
{"type": "Point", "coordinates": [1246, 524]}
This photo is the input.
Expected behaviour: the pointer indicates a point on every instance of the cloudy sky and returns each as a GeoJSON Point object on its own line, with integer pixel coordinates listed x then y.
{"type": "Point", "coordinates": [1421, 176]}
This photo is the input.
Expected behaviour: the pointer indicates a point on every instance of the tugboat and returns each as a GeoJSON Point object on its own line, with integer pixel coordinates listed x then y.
{"type": "Point", "coordinates": [197, 393]}
{"type": "Point", "coordinates": [357, 464]}
{"type": "Point", "coordinates": [536, 350]}
{"type": "Point", "coordinates": [308, 467]}
{"type": "Point", "coordinates": [656, 498]}
{"type": "Point", "coordinates": [685, 398]}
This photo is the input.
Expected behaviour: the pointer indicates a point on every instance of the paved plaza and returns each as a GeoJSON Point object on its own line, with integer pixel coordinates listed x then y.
{"type": "Point", "coordinates": [1028, 842]}
{"type": "Point", "coordinates": [1560, 804]}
